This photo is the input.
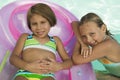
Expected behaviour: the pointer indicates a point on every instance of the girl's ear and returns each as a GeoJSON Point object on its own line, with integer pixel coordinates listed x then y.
{"type": "Point", "coordinates": [104, 28]}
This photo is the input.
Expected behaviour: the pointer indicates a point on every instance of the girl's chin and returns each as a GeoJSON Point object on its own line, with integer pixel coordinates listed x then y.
{"type": "Point", "coordinates": [92, 45]}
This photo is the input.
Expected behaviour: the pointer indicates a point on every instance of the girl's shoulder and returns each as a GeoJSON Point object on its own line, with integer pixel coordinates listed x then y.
{"type": "Point", "coordinates": [58, 41]}
{"type": "Point", "coordinates": [24, 36]}
{"type": "Point", "coordinates": [111, 45]}
{"type": "Point", "coordinates": [56, 38]}
{"type": "Point", "coordinates": [111, 41]}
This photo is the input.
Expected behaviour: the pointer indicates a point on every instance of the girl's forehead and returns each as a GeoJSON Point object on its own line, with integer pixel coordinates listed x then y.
{"type": "Point", "coordinates": [88, 28]}
{"type": "Point", "coordinates": [89, 25]}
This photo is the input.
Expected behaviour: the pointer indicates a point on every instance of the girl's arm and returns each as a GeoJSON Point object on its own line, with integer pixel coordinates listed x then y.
{"type": "Point", "coordinates": [66, 60]}
{"type": "Point", "coordinates": [63, 54]}
{"type": "Point", "coordinates": [75, 27]}
{"type": "Point", "coordinates": [85, 50]}
{"type": "Point", "coordinates": [15, 58]}
{"type": "Point", "coordinates": [103, 49]}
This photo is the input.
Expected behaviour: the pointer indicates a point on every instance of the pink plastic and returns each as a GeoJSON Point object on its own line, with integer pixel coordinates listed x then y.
{"type": "Point", "coordinates": [13, 23]}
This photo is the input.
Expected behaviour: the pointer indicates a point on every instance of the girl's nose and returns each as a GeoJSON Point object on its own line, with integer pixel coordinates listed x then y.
{"type": "Point", "coordinates": [89, 39]}
{"type": "Point", "coordinates": [39, 26]}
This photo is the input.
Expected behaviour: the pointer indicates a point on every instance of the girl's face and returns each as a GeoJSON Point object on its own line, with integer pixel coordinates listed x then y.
{"type": "Point", "coordinates": [39, 25]}
{"type": "Point", "coordinates": [91, 34]}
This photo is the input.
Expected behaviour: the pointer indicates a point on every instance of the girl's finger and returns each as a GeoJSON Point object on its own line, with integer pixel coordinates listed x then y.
{"type": "Point", "coordinates": [51, 60]}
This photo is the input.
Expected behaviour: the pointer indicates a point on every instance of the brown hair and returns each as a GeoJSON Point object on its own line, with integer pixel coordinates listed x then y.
{"type": "Point", "coordinates": [93, 18]}
{"type": "Point", "coordinates": [42, 10]}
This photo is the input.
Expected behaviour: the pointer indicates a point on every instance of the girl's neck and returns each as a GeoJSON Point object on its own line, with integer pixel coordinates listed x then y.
{"type": "Point", "coordinates": [105, 37]}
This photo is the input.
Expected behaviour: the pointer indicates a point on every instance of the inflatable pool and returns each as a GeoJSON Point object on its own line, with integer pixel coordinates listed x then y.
{"type": "Point", "coordinates": [13, 23]}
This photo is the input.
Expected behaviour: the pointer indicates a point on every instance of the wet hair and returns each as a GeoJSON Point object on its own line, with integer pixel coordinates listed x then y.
{"type": "Point", "coordinates": [92, 17]}
{"type": "Point", "coordinates": [42, 10]}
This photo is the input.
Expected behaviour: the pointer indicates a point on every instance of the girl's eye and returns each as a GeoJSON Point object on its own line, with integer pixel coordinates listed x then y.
{"type": "Point", "coordinates": [42, 22]}
{"type": "Point", "coordinates": [33, 23]}
{"type": "Point", "coordinates": [92, 34]}
{"type": "Point", "coordinates": [83, 37]}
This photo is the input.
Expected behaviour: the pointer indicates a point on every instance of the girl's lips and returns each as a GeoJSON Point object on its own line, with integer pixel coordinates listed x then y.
{"type": "Point", "coordinates": [40, 32]}
{"type": "Point", "coordinates": [93, 44]}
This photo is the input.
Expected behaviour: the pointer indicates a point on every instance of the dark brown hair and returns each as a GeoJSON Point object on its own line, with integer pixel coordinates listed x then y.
{"type": "Point", "coordinates": [42, 10]}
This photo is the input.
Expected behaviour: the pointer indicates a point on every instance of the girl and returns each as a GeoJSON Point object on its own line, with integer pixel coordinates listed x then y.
{"type": "Point", "coordinates": [94, 33]}
{"type": "Point", "coordinates": [35, 54]}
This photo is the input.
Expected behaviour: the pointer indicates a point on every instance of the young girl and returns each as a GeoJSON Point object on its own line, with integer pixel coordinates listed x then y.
{"type": "Point", "coordinates": [94, 33]}
{"type": "Point", "coordinates": [35, 54]}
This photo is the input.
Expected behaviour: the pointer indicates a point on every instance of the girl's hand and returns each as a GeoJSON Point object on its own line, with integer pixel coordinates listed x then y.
{"type": "Point", "coordinates": [85, 50]}
{"type": "Point", "coordinates": [36, 67]}
{"type": "Point", "coordinates": [51, 65]}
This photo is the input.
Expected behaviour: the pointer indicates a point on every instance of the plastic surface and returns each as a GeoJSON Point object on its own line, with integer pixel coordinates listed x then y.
{"type": "Point", "coordinates": [13, 23]}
